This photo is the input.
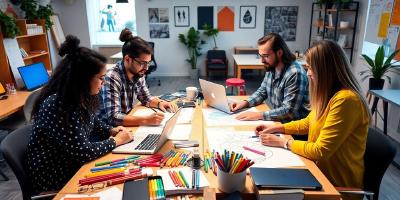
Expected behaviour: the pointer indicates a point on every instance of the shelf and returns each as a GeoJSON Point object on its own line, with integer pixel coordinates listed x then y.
{"type": "Point", "coordinates": [332, 27]}
{"type": "Point", "coordinates": [26, 36]}
{"type": "Point", "coordinates": [35, 55]}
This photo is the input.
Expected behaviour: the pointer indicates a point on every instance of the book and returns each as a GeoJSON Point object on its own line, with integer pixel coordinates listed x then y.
{"type": "Point", "coordinates": [171, 189]}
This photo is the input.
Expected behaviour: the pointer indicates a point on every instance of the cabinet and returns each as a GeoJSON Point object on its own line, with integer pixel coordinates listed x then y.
{"type": "Point", "coordinates": [335, 22]}
{"type": "Point", "coordinates": [35, 45]}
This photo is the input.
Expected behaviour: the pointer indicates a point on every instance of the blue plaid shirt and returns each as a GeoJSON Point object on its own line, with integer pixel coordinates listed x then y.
{"type": "Point", "coordinates": [286, 94]}
{"type": "Point", "coordinates": [119, 95]}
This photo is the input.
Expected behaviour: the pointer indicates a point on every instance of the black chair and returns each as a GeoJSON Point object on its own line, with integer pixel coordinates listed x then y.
{"type": "Point", "coordinates": [3, 134]}
{"type": "Point", "coordinates": [216, 61]}
{"type": "Point", "coordinates": [379, 153]}
{"type": "Point", "coordinates": [29, 104]}
{"type": "Point", "coordinates": [153, 66]}
{"type": "Point", "coordinates": [14, 151]}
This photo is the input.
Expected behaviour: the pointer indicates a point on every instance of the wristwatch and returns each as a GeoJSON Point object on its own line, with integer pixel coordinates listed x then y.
{"type": "Point", "coordinates": [286, 145]}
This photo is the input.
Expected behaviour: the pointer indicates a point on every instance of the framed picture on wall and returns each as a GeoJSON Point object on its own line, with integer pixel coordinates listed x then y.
{"type": "Point", "coordinates": [247, 18]}
{"type": "Point", "coordinates": [181, 16]}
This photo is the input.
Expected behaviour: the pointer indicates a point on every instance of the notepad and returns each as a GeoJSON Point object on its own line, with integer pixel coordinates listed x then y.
{"type": "Point", "coordinates": [284, 178]}
{"type": "Point", "coordinates": [171, 189]}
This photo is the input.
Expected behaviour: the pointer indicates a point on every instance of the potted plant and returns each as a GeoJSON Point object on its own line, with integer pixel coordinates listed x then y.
{"type": "Point", "coordinates": [9, 25]}
{"type": "Point", "coordinates": [192, 42]}
{"type": "Point", "coordinates": [378, 68]}
{"type": "Point", "coordinates": [34, 10]}
{"type": "Point", "coordinates": [211, 32]}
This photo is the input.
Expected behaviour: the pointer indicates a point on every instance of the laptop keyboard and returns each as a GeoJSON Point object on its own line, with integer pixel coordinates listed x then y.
{"type": "Point", "coordinates": [149, 142]}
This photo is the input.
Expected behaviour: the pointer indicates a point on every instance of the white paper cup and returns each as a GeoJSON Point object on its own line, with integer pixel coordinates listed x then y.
{"type": "Point", "coordinates": [191, 93]}
{"type": "Point", "coordinates": [231, 182]}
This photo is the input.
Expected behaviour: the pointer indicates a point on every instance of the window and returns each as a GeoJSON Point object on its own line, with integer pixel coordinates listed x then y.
{"type": "Point", "coordinates": [107, 18]}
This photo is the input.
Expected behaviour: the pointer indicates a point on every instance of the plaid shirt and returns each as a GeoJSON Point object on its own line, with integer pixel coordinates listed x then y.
{"type": "Point", "coordinates": [119, 95]}
{"type": "Point", "coordinates": [286, 93]}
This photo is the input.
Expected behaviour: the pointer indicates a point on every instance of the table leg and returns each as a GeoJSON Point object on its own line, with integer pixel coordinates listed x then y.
{"type": "Point", "coordinates": [385, 114]}
{"type": "Point", "coordinates": [374, 104]}
{"type": "Point", "coordinates": [239, 72]}
{"type": "Point", "coordinates": [235, 69]}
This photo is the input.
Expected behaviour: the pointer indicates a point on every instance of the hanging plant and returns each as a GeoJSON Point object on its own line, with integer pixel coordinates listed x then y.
{"type": "Point", "coordinates": [10, 25]}
{"type": "Point", "coordinates": [33, 10]}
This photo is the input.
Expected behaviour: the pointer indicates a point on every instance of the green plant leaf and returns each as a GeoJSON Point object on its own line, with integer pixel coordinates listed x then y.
{"type": "Point", "coordinates": [379, 56]}
{"type": "Point", "coordinates": [369, 60]}
{"type": "Point", "coordinates": [390, 58]}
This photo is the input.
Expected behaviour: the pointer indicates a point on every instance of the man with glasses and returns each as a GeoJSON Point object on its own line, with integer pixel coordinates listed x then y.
{"type": "Point", "coordinates": [125, 82]}
{"type": "Point", "coordinates": [284, 88]}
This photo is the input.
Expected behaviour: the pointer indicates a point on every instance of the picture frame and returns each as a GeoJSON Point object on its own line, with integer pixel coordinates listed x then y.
{"type": "Point", "coordinates": [247, 17]}
{"type": "Point", "coordinates": [181, 16]}
{"type": "Point", "coordinates": [57, 31]}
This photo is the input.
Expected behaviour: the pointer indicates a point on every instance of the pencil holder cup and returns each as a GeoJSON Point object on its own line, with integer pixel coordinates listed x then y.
{"type": "Point", "coordinates": [231, 182]}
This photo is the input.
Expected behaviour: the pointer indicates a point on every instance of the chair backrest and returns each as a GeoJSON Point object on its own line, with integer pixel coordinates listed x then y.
{"type": "Point", "coordinates": [379, 153]}
{"type": "Point", "coordinates": [216, 54]}
{"type": "Point", "coordinates": [14, 151]}
{"type": "Point", "coordinates": [153, 66]}
{"type": "Point", "coordinates": [29, 104]}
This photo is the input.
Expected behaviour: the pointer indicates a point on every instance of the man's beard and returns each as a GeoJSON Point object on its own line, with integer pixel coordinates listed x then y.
{"type": "Point", "coordinates": [270, 67]}
{"type": "Point", "coordinates": [137, 75]}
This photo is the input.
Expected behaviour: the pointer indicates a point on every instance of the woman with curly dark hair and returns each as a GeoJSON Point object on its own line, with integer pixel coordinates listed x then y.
{"type": "Point", "coordinates": [65, 122]}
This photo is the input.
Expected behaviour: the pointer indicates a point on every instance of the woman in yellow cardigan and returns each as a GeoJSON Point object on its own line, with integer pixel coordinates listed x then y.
{"type": "Point", "coordinates": [337, 125]}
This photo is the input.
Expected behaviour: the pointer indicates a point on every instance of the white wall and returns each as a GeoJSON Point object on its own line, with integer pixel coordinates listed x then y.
{"type": "Point", "coordinates": [171, 54]}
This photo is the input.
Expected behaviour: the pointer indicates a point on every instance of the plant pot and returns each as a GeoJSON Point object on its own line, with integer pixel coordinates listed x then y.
{"type": "Point", "coordinates": [376, 84]}
{"type": "Point", "coordinates": [194, 74]}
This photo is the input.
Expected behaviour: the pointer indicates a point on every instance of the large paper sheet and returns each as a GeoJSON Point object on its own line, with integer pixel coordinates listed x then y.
{"type": "Point", "coordinates": [214, 117]}
{"type": "Point", "coordinates": [14, 58]}
{"type": "Point", "coordinates": [185, 116]}
{"type": "Point", "coordinates": [227, 138]}
{"type": "Point", "coordinates": [113, 193]}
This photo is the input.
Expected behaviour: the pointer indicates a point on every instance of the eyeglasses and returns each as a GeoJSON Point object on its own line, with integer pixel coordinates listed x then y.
{"type": "Point", "coordinates": [94, 186]}
{"type": "Point", "coordinates": [143, 64]}
{"type": "Point", "coordinates": [264, 56]}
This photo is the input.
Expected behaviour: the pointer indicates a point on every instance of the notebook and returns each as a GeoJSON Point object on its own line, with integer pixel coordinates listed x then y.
{"type": "Point", "coordinates": [284, 178]}
{"type": "Point", "coordinates": [171, 189]}
{"type": "Point", "coordinates": [138, 189]}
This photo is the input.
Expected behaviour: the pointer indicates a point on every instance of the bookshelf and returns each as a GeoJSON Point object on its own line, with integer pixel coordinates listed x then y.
{"type": "Point", "coordinates": [326, 24]}
{"type": "Point", "coordinates": [35, 45]}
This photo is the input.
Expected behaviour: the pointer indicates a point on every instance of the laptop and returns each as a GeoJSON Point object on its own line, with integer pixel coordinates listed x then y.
{"type": "Point", "coordinates": [215, 96]}
{"type": "Point", "coordinates": [149, 143]}
{"type": "Point", "coordinates": [34, 75]}
{"type": "Point", "coordinates": [284, 178]}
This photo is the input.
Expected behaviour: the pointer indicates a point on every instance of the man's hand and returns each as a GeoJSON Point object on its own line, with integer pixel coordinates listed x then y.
{"type": "Point", "coordinates": [238, 105]}
{"type": "Point", "coordinates": [250, 116]}
{"type": "Point", "coordinates": [167, 106]}
{"type": "Point", "coordinates": [154, 119]}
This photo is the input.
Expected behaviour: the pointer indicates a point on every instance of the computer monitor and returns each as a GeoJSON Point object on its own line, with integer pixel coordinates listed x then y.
{"type": "Point", "coordinates": [34, 75]}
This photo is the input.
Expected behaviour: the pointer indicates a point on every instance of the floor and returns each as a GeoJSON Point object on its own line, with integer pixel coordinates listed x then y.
{"type": "Point", "coordinates": [9, 190]}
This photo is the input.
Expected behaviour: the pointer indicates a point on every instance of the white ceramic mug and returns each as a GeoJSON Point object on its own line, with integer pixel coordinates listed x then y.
{"type": "Point", "coordinates": [191, 93]}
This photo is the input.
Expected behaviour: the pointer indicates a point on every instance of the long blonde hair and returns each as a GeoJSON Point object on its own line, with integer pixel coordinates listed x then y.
{"type": "Point", "coordinates": [332, 72]}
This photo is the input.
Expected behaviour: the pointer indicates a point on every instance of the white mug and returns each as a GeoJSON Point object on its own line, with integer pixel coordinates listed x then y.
{"type": "Point", "coordinates": [191, 93]}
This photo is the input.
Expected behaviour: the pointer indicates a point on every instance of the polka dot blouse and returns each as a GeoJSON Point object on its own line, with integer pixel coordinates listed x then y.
{"type": "Point", "coordinates": [58, 149]}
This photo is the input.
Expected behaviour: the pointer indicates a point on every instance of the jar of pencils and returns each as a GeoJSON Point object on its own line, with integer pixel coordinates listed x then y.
{"type": "Point", "coordinates": [231, 173]}
{"type": "Point", "coordinates": [229, 183]}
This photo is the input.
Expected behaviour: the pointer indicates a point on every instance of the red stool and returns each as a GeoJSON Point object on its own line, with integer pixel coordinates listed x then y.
{"type": "Point", "coordinates": [238, 83]}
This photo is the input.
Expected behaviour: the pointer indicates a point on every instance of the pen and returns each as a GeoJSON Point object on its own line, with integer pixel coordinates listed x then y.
{"type": "Point", "coordinates": [108, 167]}
{"type": "Point", "coordinates": [254, 150]}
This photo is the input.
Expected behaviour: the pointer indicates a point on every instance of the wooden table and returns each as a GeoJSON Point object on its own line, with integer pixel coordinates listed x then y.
{"type": "Point", "coordinates": [327, 192]}
{"type": "Point", "coordinates": [13, 103]}
{"type": "Point", "coordinates": [246, 61]}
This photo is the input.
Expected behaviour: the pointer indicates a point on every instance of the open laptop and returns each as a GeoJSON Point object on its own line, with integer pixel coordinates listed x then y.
{"type": "Point", "coordinates": [149, 143]}
{"type": "Point", "coordinates": [215, 96]}
{"type": "Point", "coordinates": [34, 75]}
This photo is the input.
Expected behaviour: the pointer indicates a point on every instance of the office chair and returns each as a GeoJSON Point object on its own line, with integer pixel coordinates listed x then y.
{"type": "Point", "coordinates": [379, 153]}
{"type": "Point", "coordinates": [14, 150]}
{"type": "Point", "coordinates": [29, 104]}
{"type": "Point", "coordinates": [216, 61]}
{"type": "Point", "coordinates": [153, 66]}
{"type": "Point", "coordinates": [3, 135]}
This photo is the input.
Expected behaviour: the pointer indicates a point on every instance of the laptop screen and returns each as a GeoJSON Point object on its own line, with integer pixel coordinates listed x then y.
{"type": "Point", "coordinates": [34, 75]}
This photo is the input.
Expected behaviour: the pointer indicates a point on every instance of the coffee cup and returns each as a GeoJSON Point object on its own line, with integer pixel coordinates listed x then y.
{"type": "Point", "coordinates": [191, 93]}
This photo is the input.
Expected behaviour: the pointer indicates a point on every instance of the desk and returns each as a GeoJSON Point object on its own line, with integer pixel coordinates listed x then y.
{"type": "Point", "coordinates": [245, 50]}
{"type": "Point", "coordinates": [13, 103]}
{"type": "Point", "coordinates": [328, 191]}
{"type": "Point", "coordinates": [246, 61]}
{"type": "Point", "coordinates": [387, 96]}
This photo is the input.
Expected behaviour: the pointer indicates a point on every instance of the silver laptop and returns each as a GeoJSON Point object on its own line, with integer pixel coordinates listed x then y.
{"type": "Point", "coordinates": [149, 143]}
{"type": "Point", "coordinates": [215, 96]}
